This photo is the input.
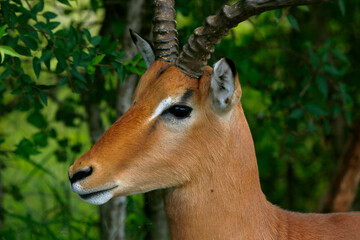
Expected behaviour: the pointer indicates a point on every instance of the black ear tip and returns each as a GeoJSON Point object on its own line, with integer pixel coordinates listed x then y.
{"type": "Point", "coordinates": [132, 34]}
{"type": "Point", "coordinates": [231, 65]}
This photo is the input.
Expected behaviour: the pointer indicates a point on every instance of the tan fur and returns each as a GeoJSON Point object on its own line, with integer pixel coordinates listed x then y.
{"type": "Point", "coordinates": [207, 167]}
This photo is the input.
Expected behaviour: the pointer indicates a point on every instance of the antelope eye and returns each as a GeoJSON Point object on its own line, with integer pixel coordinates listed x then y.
{"type": "Point", "coordinates": [179, 111]}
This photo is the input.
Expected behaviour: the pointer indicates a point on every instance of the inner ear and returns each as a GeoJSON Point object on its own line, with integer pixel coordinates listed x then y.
{"type": "Point", "coordinates": [145, 48]}
{"type": "Point", "coordinates": [222, 85]}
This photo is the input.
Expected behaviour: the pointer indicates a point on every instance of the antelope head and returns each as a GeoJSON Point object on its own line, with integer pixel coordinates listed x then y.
{"type": "Point", "coordinates": [179, 105]}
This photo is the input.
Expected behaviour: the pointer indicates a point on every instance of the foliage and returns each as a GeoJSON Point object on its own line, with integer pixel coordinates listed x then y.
{"type": "Point", "coordinates": [44, 66]}
{"type": "Point", "coordinates": [300, 81]}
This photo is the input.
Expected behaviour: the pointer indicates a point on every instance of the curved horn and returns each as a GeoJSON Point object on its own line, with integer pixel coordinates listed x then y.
{"type": "Point", "coordinates": [164, 31]}
{"type": "Point", "coordinates": [202, 43]}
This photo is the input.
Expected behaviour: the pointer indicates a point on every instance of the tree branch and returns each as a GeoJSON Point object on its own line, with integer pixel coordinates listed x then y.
{"type": "Point", "coordinates": [202, 43]}
{"type": "Point", "coordinates": [343, 188]}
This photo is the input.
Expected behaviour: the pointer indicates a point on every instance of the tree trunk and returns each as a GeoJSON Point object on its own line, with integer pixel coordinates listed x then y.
{"type": "Point", "coordinates": [154, 210]}
{"type": "Point", "coordinates": [154, 206]}
{"type": "Point", "coordinates": [342, 191]}
{"type": "Point", "coordinates": [113, 213]}
{"type": "Point", "coordinates": [125, 90]}
{"type": "Point", "coordinates": [1, 198]}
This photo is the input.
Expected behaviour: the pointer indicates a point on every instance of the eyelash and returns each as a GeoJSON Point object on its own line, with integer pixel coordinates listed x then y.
{"type": "Point", "coordinates": [178, 111]}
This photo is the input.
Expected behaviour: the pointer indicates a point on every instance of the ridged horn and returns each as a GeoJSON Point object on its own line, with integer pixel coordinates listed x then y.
{"type": "Point", "coordinates": [202, 43]}
{"type": "Point", "coordinates": [164, 31]}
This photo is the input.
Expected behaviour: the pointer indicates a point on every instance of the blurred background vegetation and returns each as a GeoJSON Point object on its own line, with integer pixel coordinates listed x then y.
{"type": "Point", "coordinates": [68, 70]}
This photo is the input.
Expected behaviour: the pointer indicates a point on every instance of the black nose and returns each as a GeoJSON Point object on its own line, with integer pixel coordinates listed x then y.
{"type": "Point", "coordinates": [81, 174]}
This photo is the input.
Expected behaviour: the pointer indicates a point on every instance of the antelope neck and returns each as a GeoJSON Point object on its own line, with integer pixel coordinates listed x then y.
{"type": "Point", "coordinates": [232, 185]}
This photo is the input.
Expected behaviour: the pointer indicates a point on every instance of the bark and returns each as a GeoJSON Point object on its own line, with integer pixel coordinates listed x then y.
{"type": "Point", "coordinates": [112, 219]}
{"type": "Point", "coordinates": [337, 135]}
{"type": "Point", "coordinates": [113, 213]}
{"type": "Point", "coordinates": [154, 209]}
{"type": "Point", "coordinates": [1, 198]}
{"type": "Point", "coordinates": [343, 188]}
{"type": "Point", "coordinates": [125, 90]}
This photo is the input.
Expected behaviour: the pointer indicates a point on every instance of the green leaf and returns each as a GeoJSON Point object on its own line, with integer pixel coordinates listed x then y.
{"type": "Point", "coordinates": [342, 7]}
{"type": "Point", "coordinates": [36, 66]}
{"type": "Point", "coordinates": [311, 126]}
{"type": "Point", "coordinates": [64, 142]}
{"type": "Point", "coordinates": [52, 133]}
{"type": "Point", "coordinates": [95, 40]}
{"type": "Point", "coordinates": [137, 59]}
{"type": "Point", "coordinates": [76, 148]}
{"type": "Point", "coordinates": [61, 156]}
{"type": "Point", "coordinates": [303, 8]}
{"type": "Point", "coordinates": [142, 64]}
{"type": "Point", "coordinates": [49, 15]}
{"type": "Point", "coordinates": [97, 59]}
{"type": "Point", "coordinates": [38, 7]}
{"type": "Point", "coordinates": [80, 85]}
{"type": "Point", "coordinates": [314, 59]}
{"type": "Point", "coordinates": [315, 109]}
{"type": "Point", "coordinates": [17, 91]}
{"type": "Point", "coordinates": [87, 34]}
{"type": "Point", "coordinates": [8, 51]}
{"type": "Point", "coordinates": [133, 69]}
{"type": "Point", "coordinates": [24, 51]}
{"type": "Point", "coordinates": [25, 148]}
{"type": "Point", "coordinates": [2, 30]}
{"type": "Point", "coordinates": [91, 69]}
{"type": "Point", "coordinates": [45, 55]}
{"type": "Point", "coordinates": [2, 89]}
{"type": "Point", "coordinates": [62, 65]}
{"type": "Point", "coordinates": [40, 139]}
{"type": "Point", "coordinates": [110, 47]}
{"type": "Point", "coordinates": [76, 74]}
{"type": "Point", "coordinates": [341, 56]}
{"type": "Point", "coordinates": [31, 43]}
{"type": "Point", "coordinates": [322, 84]}
{"type": "Point", "coordinates": [296, 113]}
{"type": "Point", "coordinates": [43, 97]}
{"type": "Point", "coordinates": [120, 55]}
{"type": "Point", "coordinates": [66, 2]}
{"type": "Point", "coordinates": [342, 88]}
{"type": "Point", "coordinates": [2, 56]}
{"type": "Point", "coordinates": [63, 81]}
{"type": "Point", "coordinates": [6, 73]}
{"type": "Point", "coordinates": [293, 22]}
{"type": "Point", "coordinates": [76, 58]}
{"type": "Point", "coordinates": [94, 4]}
{"type": "Point", "coordinates": [331, 70]}
{"type": "Point", "coordinates": [128, 62]}
{"type": "Point", "coordinates": [120, 72]}
{"type": "Point", "coordinates": [37, 119]}
{"type": "Point", "coordinates": [53, 25]}
{"type": "Point", "coordinates": [40, 26]}
{"type": "Point", "coordinates": [278, 13]}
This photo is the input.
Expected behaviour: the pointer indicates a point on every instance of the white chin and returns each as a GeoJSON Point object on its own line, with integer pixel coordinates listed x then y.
{"type": "Point", "coordinates": [97, 198]}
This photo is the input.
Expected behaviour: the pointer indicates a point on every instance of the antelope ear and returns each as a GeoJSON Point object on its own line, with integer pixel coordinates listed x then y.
{"type": "Point", "coordinates": [222, 85]}
{"type": "Point", "coordinates": [145, 48]}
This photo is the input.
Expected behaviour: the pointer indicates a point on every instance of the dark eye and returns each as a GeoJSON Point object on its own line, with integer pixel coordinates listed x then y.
{"type": "Point", "coordinates": [179, 111]}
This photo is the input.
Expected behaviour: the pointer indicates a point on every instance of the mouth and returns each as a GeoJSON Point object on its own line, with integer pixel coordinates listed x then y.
{"type": "Point", "coordinates": [96, 193]}
{"type": "Point", "coordinates": [97, 197]}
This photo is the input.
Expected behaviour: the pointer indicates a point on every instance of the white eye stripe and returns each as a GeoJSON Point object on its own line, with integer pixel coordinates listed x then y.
{"type": "Point", "coordinates": [164, 104]}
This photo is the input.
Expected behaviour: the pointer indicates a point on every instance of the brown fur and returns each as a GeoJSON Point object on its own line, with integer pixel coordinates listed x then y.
{"type": "Point", "coordinates": [207, 167]}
